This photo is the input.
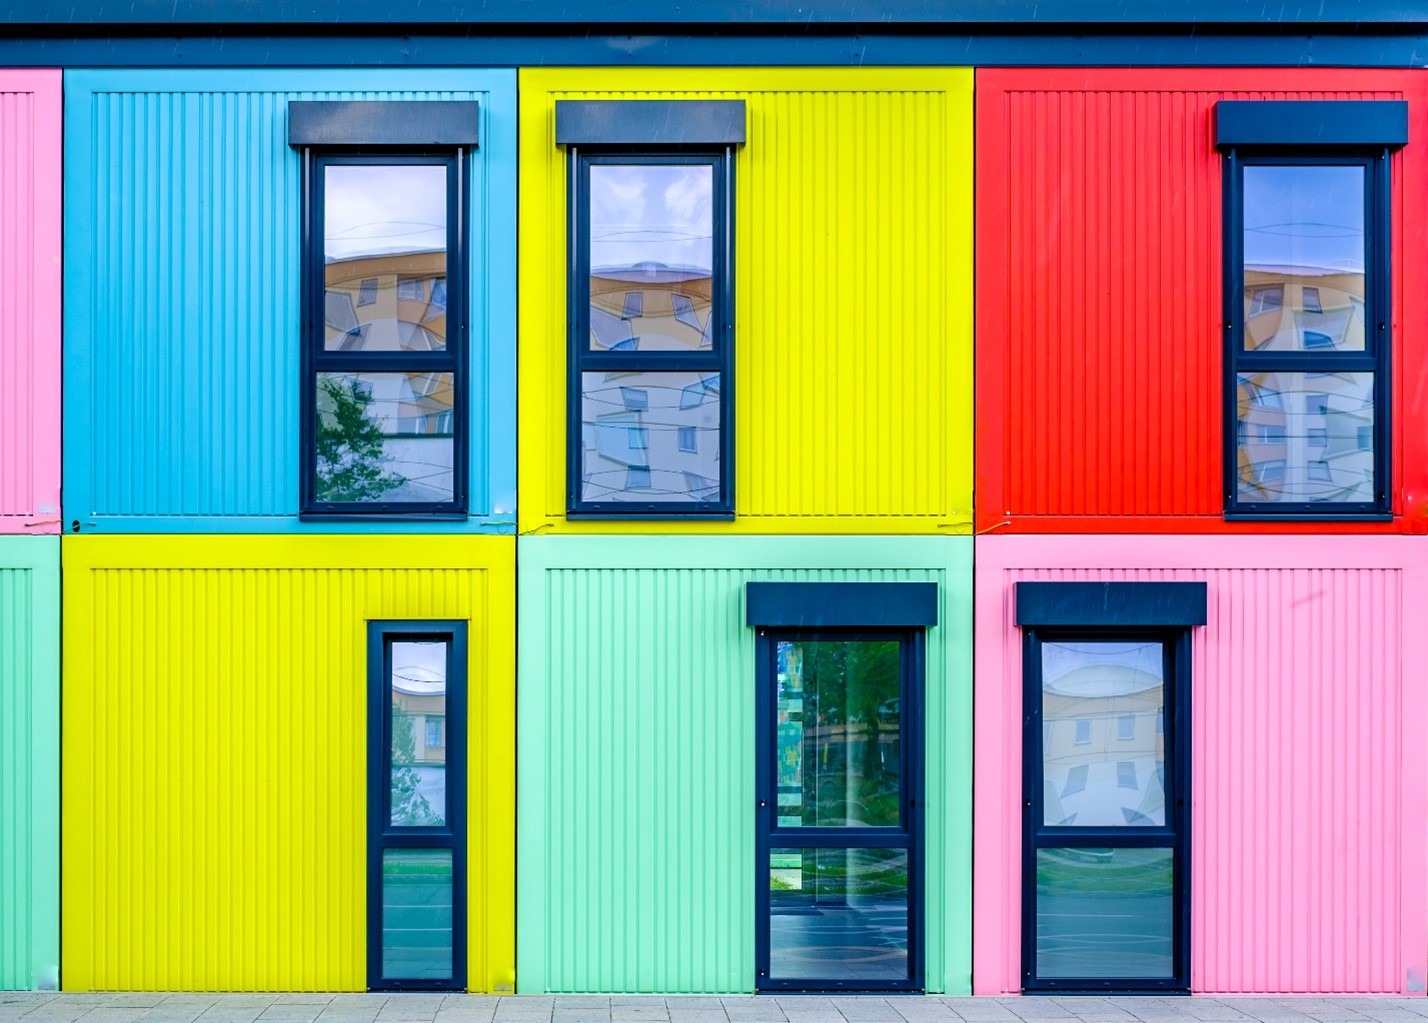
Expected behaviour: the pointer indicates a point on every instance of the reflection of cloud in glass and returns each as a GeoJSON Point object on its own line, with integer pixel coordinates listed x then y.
{"type": "Point", "coordinates": [1101, 669]}
{"type": "Point", "coordinates": [1304, 217]}
{"type": "Point", "coordinates": [368, 209]}
{"type": "Point", "coordinates": [652, 214]}
{"type": "Point", "coordinates": [419, 668]}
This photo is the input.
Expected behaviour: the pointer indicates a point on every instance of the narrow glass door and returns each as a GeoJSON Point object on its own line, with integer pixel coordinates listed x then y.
{"type": "Point", "coordinates": [416, 806]}
{"type": "Point", "coordinates": [1104, 871]}
{"type": "Point", "coordinates": [839, 811]}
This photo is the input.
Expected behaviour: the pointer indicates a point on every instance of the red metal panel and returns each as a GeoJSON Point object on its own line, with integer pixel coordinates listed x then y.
{"type": "Point", "coordinates": [1099, 297]}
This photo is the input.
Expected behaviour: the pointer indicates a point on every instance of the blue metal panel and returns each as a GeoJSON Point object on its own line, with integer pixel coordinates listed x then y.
{"type": "Point", "coordinates": [1322, 122]}
{"type": "Point", "coordinates": [1110, 605]}
{"type": "Point", "coordinates": [182, 333]}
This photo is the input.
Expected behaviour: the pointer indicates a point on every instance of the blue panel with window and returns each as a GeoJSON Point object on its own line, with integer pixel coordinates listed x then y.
{"type": "Point", "coordinates": [208, 392]}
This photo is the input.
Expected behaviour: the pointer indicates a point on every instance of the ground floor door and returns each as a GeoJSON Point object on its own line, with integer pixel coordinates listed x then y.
{"type": "Point", "coordinates": [416, 887]}
{"type": "Point", "coordinates": [1105, 846]}
{"type": "Point", "coordinates": [839, 776]}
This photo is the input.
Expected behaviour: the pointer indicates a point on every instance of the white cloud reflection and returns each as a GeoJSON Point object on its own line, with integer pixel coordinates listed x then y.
{"type": "Point", "coordinates": [1114, 668]}
{"type": "Point", "coordinates": [419, 668]}
{"type": "Point", "coordinates": [372, 209]}
{"type": "Point", "coordinates": [652, 214]}
{"type": "Point", "coordinates": [1304, 217]}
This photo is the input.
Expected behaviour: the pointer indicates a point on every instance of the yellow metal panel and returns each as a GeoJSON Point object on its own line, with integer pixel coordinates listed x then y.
{"type": "Point", "coordinates": [215, 793]}
{"type": "Point", "coordinates": [853, 296]}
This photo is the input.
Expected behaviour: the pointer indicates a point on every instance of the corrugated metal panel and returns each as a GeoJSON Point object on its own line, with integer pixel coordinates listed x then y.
{"type": "Point", "coordinates": [1100, 297]}
{"type": "Point", "coordinates": [853, 291]}
{"type": "Point", "coordinates": [635, 815]}
{"type": "Point", "coordinates": [30, 124]}
{"type": "Point", "coordinates": [183, 287]}
{"type": "Point", "coordinates": [215, 792]}
{"type": "Point", "coordinates": [29, 762]}
{"type": "Point", "coordinates": [1307, 836]}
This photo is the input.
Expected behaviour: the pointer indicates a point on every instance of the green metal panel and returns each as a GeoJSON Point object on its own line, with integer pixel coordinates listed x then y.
{"type": "Point", "coordinates": [635, 738]}
{"type": "Point", "coordinates": [29, 761]}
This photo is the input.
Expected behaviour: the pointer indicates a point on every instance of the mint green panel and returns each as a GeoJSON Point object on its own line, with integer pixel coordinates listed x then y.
{"type": "Point", "coordinates": [635, 737]}
{"type": "Point", "coordinates": [29, 762]}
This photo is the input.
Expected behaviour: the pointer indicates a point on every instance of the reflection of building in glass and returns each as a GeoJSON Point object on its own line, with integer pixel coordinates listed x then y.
{"type": "Point", "coordinates": [650, 307]}
{"type": "Point", "coordinates": [650, 436]}
{"type": "Point", "coordinates": [395, 302]}
{"type": "Point", "coordinates": [1103, 746]}
{"type": "Point", "coordinates": [427, 714]}
{"type": "Point", "coordinates": [1303, 309]}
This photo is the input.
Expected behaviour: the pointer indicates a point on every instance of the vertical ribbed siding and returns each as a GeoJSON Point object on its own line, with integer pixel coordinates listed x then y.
{"type": "Point", "coordinates": [29, 762]}
{"type": "Point", "coordinates": [215, 755]}
{"type": "Point", "coordinates": [636, 817]}
{"type": "Point", "coordinates": [1302, 859]}
{"type": "Point", "coordinates": [853, 290]}
{"type": "Point", "coordinates": [29, 301]}
{"type": "Point", "coordinates": [185, 204]}
{"type": "Point", "coordinates": [1100, 292]}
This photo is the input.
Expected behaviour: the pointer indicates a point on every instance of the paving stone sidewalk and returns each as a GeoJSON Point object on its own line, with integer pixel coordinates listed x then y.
{"type": "Point", "coordinates": [31, 1007]}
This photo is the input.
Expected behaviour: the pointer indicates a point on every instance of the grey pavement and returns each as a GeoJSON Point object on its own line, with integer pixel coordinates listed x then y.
{"type": "Point", "coordinates": [47, 1007]}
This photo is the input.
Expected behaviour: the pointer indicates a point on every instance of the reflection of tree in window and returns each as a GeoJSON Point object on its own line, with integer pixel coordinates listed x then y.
{"type": "Point", "coordinates": [350, 444]}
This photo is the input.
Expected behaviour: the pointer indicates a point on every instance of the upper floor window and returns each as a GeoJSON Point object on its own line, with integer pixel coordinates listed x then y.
{"type": "Point", "coordinates": [385, 420]}
{"type": "Point", "coordinates": [1307, 306]}
{"type": "Point", "coordinates": [650, 303]}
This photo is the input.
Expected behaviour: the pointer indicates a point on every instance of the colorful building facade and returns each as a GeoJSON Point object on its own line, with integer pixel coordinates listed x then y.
{"type": "Point", "coordinates": [915, 500]}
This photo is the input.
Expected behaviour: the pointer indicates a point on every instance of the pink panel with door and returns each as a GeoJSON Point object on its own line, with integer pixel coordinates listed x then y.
{"type": "Point", "coordinates": [1309, 833]}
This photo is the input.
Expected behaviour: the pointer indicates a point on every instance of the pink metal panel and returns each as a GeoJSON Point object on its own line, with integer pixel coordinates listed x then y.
{"type": "Point", "coordinates": [1308, 832]}
{"type": "Point", "coordinates": [30, 288]}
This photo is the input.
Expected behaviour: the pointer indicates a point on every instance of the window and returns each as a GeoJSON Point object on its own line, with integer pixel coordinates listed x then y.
{"type": "Point", "coordinates": [416, 805]}
{"type": "Point", "coordinates": [1307, 214]}
{"type": "Point", "coordinates": [385, 419]}
{"type": "Point", "coordinates": [1106, 831]}
{"type": "Point", "coordinates": [650, 303]}
{"type": "Point", "coordinates": [1083, 731]}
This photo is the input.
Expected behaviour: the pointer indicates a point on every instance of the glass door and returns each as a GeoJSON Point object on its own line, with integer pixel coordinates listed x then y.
{"type": "Point", "coordinates": [1104, 869]}
{"type": "Point", "coordinates": [839, 810]}
{"type": "Point", "coordinates": [416, 891]}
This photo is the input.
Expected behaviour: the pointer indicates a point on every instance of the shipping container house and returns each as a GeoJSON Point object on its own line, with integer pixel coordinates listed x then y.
{"type": "Point", "coordinates": [1191, 325]}
{"type": "Point", "coordinates": [258, 277]}
{"type": "Point", "coordinates": [30, 161]}
{"type": "Point", "coordinates": [29, 762]}
{"type": "Point", "coordinates": [263, 763]}
{"type": "Point", "coordinates": [709, 744]}
{"type": "Point", "coordinates": [1220, 798]}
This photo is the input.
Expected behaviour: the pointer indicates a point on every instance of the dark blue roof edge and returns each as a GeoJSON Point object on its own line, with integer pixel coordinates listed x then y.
{"type": "Point", "coordinates": [579, 15]}
{"type": "Point", "coordinates": [842, 605]}
{"type": "Point", "coordinates": [1111, 604]}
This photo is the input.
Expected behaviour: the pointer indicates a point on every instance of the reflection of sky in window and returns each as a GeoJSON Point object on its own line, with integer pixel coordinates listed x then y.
{"type": "Point", "coordinates": [1059, 660]}
{"type": "Point", "coordinates": [1304, 217]}
{"type": "Point", "coordinates": [369, 210]}
{"type": "Point", "coordinates": [652, 214]}
{"type": "Point", "coordinates": [419, 668]}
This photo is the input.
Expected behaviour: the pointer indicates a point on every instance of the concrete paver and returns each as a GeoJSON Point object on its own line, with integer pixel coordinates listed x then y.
{"type": "Point", "coordinates": [160, 1007]}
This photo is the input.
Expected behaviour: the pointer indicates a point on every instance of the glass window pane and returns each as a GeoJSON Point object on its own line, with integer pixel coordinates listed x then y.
{"type": "Point", "coordinates": [1104, 913]}
{"type": "Point", "coordinates": [1303, 439]}
{"type": "Point", "coordinates": [416, 914]}
{"type": "Point", "coordinates": [384, 249]}
{"type": "Point", "coordinates": [651, 257]}
{"type": "Point", "coordinates": [418, 686]}
{"type": "Point", "coordinates": [385, 437]}
{"type": "Point", "coordinates": [1304, 258]}
{"type": "Point", "coordinates": [674, 415]}
{"type": "Point", "coordinates": [1099, 705]}
{"type": "Point", "coordinates": [839, 733]}
{"type": "Point", "coordinates": [838, 913]}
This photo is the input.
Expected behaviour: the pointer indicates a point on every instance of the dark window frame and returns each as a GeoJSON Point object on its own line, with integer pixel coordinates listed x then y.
{"type": "Point", "coordinates": [581, 359]}
{"type": "Point", "coordinates": [1174, 835]}
{"type": "Point", "coordinates": [911, 835]}
{"type": "Point", "coordinates": [316, 359]}
{"type": "Point", "coordinates": [1375, 358]}
{"type": "Point", "coordinates": [381, 835]}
